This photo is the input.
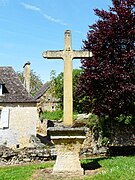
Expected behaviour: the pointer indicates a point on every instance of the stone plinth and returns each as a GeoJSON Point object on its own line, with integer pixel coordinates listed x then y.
{"type": "Point", "coordinates": [68, 142]}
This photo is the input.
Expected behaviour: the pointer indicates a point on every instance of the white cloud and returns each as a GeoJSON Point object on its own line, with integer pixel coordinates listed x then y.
{"type": "Point", "coordinates": [53, 19]}
{"type": "Point", "coordinates": [46, 16]}
{"type": "Point", "coordinates": [30, 7]}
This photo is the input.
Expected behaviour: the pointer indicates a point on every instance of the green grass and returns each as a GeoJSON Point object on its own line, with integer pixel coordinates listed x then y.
{"type": "Point", "coordinates": [113, 168]}
{"type": "Point", "coordinates": [21, 172]}
{"type": "Point", "coordinates": [54, 115]}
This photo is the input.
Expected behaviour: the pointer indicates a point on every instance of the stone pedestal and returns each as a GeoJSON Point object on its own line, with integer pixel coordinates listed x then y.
{"type": "Point", "coordinates": [68, 142]}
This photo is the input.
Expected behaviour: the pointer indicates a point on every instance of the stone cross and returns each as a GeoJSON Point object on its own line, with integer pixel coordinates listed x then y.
{"type": "Point", "coordinates": [67, 55]}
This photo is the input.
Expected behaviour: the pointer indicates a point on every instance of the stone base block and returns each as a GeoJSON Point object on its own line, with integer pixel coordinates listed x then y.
{"type": "Point", "coordinates": [68, 163]}
{"type": "Point", "coordinates": [68, 142]}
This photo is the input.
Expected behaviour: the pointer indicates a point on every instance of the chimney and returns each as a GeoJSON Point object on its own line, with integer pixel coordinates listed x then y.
{"type": "Point", "coordinates": [26, 75]}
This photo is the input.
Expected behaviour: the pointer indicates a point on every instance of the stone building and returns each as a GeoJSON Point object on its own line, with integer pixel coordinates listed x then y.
{"type": "Point", "coordinates": [18, 111]}
{"type": "Point", "coordinates": [46, 102]}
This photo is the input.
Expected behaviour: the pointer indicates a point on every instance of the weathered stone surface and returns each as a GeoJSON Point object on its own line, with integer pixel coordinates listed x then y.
{"type": "Point", "coordinates": [27, 160]}
{"type": "Point", "coordinates": [83, 116]}
{"type": "Point", "coordinates": [10, 156]}
{"type": "Point", "coordinates": [67, 55]}
{"type": "Point", "coordinates": [22, 120]}
{"type": "Point", "coordinates": [67, 163]}
{"type": "Point", "coordinates": [68, 142]}
{"type": "Point", "coordinates": [26, 75]}
{"type": "Point", "coordinates": [122, 136]}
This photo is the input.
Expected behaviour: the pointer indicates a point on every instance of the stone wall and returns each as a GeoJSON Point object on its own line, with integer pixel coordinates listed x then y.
{"type": "Point", "coordinates": [47, 102]}
{"type": "Point", "coordinates": [92, 145]}
{"type": "Point", "coordinates": [122, 136]}
{"type": "Point", "coordinates": [9, 156]}
{"type": "Point", "coordinates": [119, 136]}
{"type": "Point", "coordinates": [121, 141]}
{"type": "Point", "coordinates": [22, 124]}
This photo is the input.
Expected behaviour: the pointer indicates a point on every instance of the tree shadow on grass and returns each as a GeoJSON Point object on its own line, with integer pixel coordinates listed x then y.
{"type": "Point", "coordinates": [92, 164]}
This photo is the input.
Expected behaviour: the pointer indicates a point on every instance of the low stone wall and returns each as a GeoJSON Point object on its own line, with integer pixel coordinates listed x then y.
{"type": "Point", "coordinates": [122, 140]}
{"type": "Point", "coordinates": [122, 135]}
{"type": "Point", "coordinates": [20, 156]}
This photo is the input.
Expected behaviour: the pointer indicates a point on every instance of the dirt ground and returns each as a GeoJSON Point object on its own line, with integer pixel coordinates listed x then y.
{"type": "Point", "coordinates": [46, 174]}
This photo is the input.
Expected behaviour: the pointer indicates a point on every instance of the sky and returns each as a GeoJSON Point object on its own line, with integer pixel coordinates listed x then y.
{"type": "Point", "coordinates": [30, 27]}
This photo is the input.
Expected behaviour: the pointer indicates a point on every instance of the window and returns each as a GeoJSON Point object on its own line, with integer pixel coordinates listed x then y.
{"type": "Point", "coordinates": [0, 114]}
{"type": "Point", "coordinates": [0, 89]}
{"type": "Point", "coordinates": [3, 89]}
{"type": "Point", "coordinates": [17, 146]}
{"type": "Point", "coordinates": [4, 118]}
{"type": "Point", "coordinates": [0, 119]}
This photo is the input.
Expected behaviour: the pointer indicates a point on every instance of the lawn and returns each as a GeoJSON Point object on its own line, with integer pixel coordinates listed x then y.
{"type": "Point", "coordinates": [115, 168]}
{"type": "Point", "coordinates": [112, 168]}
{"type": "Point", "coordinates": [21, 172]}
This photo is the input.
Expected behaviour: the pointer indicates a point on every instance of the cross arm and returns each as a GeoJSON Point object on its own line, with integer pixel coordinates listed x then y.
{"type": "Point", "coordinates": [53, 54]}
{"type": "Point", "coordinates": [81, 54]}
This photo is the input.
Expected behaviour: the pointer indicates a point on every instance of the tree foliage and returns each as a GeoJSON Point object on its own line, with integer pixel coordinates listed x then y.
{"type": "Point", "coordinates": [35, 82]}
{"type": "Point", "coordinates": [107, 84]}
{"type": "Point", "coordinates": [57, 87]}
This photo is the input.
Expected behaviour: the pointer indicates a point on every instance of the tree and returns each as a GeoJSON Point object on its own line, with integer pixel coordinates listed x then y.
{"type": "Point", "coordinates": [107, 84]}
{"type": "Point", "coordinates": [57, 87]}
{"type": "Point", "coordinates": [35, 82]}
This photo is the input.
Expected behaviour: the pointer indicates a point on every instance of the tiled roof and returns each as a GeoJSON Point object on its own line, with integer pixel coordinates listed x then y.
{"type": "Point", "coordinates": [15, 91]}
{"type": "Point", "coordinates": [42, 90]}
